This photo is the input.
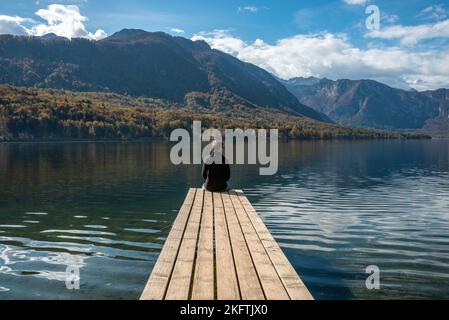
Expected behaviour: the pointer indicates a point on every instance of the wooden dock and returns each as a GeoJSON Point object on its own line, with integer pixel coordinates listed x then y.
{"type": "Point", "coordinates": [219, 248]}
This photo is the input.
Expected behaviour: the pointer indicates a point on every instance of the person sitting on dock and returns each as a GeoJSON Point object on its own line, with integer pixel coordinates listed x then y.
{"type": "Point", "coordinates": [216, 175]}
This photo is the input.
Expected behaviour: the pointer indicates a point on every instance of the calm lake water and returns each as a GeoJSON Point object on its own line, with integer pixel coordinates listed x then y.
{"type": "Point", "coordinates": [334, 207]}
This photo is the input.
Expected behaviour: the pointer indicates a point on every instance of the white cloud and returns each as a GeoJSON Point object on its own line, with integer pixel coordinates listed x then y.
{"type": "Point", "coordinates": [98, 35]}
{"type": "Point", "coordinates": [176, 30]}
{"type": "Point", "coordinates": [435, 12]}
{"type": "Point", "coordinates": [411, 35]}
{"type": "Point", "coordinates": [12, 25]}
{"type": "Point", "coordinates": [389, 18]}
{"type": "Point", "coordinates": [62, 20]}
{"type": "Point", "coordinates": [355, 2]}
{"type": "Point", "coordinates": [65, 21]}
{"type": "Point", "coordinates": [252, 9]}
{"type": "Point", "coordinates": [333, 56]}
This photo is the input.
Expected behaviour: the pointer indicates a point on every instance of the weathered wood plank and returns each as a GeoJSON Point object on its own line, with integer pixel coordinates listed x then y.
{"type": "Point", "coordinates": [269, 278]}
{"type": "Point", "coordinates": [203, 282]}
{"type": "Point", "coordinates": [158, 282]}
{"type": "Point", "coordinates": [227, 284]}
{"type": "Point", "coordinates": [290, 278]}
{"type": "Point", "coordinates": [250, 287]}
{"type": "Point", "coordinates": [219, 247]}
{"type": "Point", "coordinates": [179, 287]}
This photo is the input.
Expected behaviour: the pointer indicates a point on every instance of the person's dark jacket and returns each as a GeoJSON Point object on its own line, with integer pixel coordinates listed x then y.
{"type": "Point", "coordinates": [216, 175]}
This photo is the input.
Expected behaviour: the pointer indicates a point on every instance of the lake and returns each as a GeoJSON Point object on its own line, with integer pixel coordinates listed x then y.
{"type": "Point", "coordinates": [334, 207]}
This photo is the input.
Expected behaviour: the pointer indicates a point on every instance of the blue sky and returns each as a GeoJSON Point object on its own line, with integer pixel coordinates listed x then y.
{"type": "Point", "coordinates": [288, 38]}
{"type": "Point", "coordinates": [271, 21]}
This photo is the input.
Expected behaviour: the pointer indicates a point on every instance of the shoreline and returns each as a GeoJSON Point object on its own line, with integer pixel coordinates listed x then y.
{"type": "Point", "coordinates": [151, 140]}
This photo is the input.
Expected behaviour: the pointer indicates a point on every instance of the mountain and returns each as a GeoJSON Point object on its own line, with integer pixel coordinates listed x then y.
{"type": "Point", "coordinates": [32, 114]}
{"type": "Point", "coordinates": [144, 64]}
{"type": "Point", "coordinates": [300, 81]}
{"type": "Point", "coordinates": [52, 36]}
{"type": "Point", "coordinates": [370, 104]}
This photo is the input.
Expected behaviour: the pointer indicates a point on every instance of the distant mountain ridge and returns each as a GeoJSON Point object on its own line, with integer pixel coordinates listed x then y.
{"type": "Point", "coordinates": [148, 64]}
{"type": "Point", "coordinates": [51, 36]}
{"type": "Point", "coordinates": [370, 104]}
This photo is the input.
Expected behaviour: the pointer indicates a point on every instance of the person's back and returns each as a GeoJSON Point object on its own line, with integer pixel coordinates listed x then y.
{"type": "Point", "coordinates": [216, 175]}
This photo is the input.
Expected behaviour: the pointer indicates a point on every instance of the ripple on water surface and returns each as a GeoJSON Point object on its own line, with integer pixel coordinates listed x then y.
{"type": "Point", "coordinates": [335, 208]}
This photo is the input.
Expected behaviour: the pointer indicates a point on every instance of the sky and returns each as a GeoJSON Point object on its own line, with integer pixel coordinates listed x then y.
{"type": "Point", "coordinates": [407, 48]}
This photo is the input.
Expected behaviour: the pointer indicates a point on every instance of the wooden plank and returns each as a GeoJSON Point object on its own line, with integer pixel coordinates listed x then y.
{"type": "Point", "coordinates": [290, 278]}
{"type": "Point", "coordinates": [160, 276]}
{"type": "Point", "coordinates": [227, 285]}
{"type": "Point", "coordinates": [203, 282]}
{"type": "Point", "coordinates": [249, 284]}
{"type": "Point", "coordinates": [269, 278]}
{"type": "Point", "coordinates": [249, 264]}
{"type": "Point", "coordinates": [179, 287]}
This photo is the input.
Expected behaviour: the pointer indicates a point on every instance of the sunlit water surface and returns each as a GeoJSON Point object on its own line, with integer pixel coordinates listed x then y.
{"type": "Point", "coordinates": [334, 207]}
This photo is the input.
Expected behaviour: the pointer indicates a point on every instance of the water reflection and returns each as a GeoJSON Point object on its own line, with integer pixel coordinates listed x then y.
{"type": "Point", "coordinates": [334, 207]}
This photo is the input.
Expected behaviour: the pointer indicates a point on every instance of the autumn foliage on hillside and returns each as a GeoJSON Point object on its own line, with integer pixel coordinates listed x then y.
{"type": "Point", "coordinates": [48, 114]}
